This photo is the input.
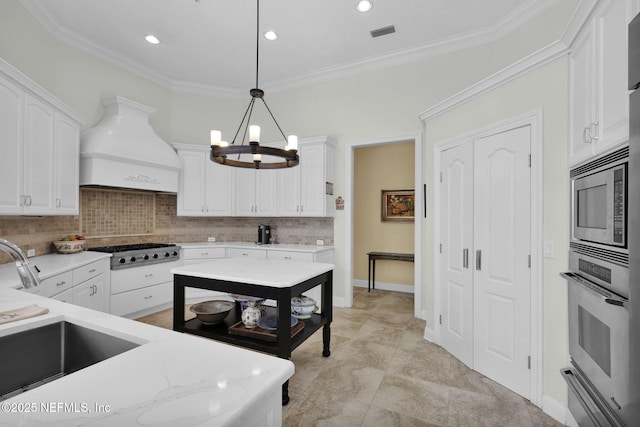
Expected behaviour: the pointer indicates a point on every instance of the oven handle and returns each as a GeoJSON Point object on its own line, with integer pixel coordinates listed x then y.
{"type": "Point", "coordinates": [579, 392]}
{"type": "Point", "coordinates": [607, 297]}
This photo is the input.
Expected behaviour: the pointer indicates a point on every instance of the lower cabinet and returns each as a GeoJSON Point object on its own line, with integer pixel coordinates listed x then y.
{"type": "Point", "coordinates": [86, 286]}
{"type": "Point", "coordinates": [195, 256]}
{"type": "Point", "coordinates": [142, 290]}
{"type": "Point", "coordinates": [139, 302]}
{"type": "Point", "coordinates": [90, 294]}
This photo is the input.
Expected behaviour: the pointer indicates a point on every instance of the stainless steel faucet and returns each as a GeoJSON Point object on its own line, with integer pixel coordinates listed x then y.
{"type": "Point", "coordinates": [27, 274]}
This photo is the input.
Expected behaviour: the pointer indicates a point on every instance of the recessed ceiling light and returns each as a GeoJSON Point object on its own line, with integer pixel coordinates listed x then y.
{"type": "Point", "coordinates": [271, 35]}
{"type": "Point", "coordinates": [364, 6]}
{"type": "Point", "coordinates": [152, 39]}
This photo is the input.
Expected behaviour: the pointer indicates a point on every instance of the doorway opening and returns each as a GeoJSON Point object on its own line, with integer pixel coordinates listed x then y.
{"type": "Point", "coordinates": [372, 169]}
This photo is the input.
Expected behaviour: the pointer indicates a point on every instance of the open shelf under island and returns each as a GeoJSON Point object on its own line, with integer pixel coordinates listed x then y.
{"type": "Point", "coordinates": [271, 279]}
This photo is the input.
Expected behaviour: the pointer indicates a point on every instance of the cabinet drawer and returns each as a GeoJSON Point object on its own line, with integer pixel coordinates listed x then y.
{"type": "Point", "coordinates": [141, 299]}
{"type": "Point", "coordinates": [86, 272]}
{"type": "Point", "coordinates": [56, 284]}
{"type": "Point", "coordinates": [290, 255]}
{"type": "Point", "coordinates": [203, 253]}
{"type": "Point", "coordinates": [129, 279]}
{"type": "Point", "coordinates": [253, 253]}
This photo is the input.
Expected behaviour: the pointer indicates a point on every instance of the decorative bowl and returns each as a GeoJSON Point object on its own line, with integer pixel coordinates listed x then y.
{"type": "Point", "coordinates": [302, 307]}
{"type": "Point", "coordinates": [69, 246]}
{"type": "Point", "coordinates": [212, 312]}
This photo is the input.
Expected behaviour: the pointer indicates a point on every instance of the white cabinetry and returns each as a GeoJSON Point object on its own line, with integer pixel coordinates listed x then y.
{"type": "Point", "coordinates": [599, 99]}
{"type": "Point", "coordinates": [254, 192]}
{"type": "Point", "coordinates": [246, 252]}
{"type": "Point", "coordinates": [205, 186]}
{"type": "Point", "coordinates": [37, 165]}
{"type": "Point", "coordinates": [67, 164]}
{"type": "Point", "coordinates": [86, 286]}
{"type": "Point", "coordinates": [142, 290]}
{"type": "Point", "coordinates": [195, 256]}
{"type": "Point", "coordinates": [40, 142]}
{"type": "Point", "coordinates": [303, 190]}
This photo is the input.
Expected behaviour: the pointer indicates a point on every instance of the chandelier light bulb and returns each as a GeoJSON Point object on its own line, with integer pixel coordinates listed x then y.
{"type": "Point", "coordinates": [216, 137]}
{"type": "Point", "coordinates": [254, 133]}
{"type": "Point", "coordinates": [292, 142]}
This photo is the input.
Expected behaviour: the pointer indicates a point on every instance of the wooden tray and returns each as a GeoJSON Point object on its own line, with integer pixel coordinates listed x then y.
{"type": "Point", "coordinates": [262, 334]}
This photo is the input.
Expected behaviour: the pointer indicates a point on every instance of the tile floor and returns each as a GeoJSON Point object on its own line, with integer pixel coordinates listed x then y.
{"type": "Point", "coordinates": [382, 372]}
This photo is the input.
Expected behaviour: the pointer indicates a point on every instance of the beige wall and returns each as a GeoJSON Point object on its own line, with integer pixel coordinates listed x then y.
{"type": "Point", "coordinates": [377, 168]}
{"type": "Point", "coordinates": [545, 88]}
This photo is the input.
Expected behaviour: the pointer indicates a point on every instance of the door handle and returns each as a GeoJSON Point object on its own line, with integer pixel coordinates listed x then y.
{"type": "Point", "coordinates": [478, 260]}
{"type": "Point", "coordinates": [465, 258]}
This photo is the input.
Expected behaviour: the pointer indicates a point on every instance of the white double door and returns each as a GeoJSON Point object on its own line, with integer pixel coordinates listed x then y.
{"type": "Point", "coordinates": [485, 258]}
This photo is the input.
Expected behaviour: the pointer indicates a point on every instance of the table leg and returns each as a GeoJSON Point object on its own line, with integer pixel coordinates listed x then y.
{"type": "Point", "coordinates": [178, 303]}
{"type": "Point", "coordinates": [285, 393]}
{"type": "Point", "coordinates": [373, 281]}
{"type": "Point", "coordinates": [369, 271]}
{"type": "Point", "coordinates": [326, 339]}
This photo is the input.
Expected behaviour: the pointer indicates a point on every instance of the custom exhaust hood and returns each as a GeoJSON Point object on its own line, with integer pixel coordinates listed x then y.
{"type": "Point", "coordinates": [123, 151]}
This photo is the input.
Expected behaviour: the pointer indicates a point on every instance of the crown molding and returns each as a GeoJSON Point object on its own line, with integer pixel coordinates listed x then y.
{"type": "Point", "coordinates": [537, 59]}
{"type": "Point", "coordinates": [490, 34]}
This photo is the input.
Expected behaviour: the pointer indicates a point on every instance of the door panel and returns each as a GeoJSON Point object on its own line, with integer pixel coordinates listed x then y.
{"type": "Point", "coordinates": [456, 213]}
{"type": "Point", "coordinates": [502, 234]}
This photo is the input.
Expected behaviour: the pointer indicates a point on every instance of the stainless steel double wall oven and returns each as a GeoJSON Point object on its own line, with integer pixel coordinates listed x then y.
{"type": "Point", "coordinates": [604, 277]}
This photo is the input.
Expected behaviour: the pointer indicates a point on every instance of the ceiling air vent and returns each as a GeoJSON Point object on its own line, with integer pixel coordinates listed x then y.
{"type": "Point", "coordinates": [383, 31]}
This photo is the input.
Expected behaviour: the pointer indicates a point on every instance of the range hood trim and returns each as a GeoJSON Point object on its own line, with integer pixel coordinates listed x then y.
{"type": "Point", "coordinates": [123, 151]}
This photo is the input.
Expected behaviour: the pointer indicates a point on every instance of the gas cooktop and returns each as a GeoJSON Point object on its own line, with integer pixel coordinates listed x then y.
{"type": "Point", "coordinates": [138, 254]}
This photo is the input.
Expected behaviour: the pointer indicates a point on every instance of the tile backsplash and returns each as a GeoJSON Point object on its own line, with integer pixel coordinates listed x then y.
{"type": "Point", "coordinates": [110, 216]}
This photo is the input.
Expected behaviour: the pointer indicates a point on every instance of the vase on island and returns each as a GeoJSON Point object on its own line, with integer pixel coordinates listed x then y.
{"type": "Point", "coordinates": [250, 315]}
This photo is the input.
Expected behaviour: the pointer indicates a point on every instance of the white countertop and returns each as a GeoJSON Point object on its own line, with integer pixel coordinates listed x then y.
{"type": "Point", "coordinates": [49, 265]}
{"type": "Point", "coordinates": [266, 272]}
{"type": "Point", "coordinates": [270, 247]}
{"type": "Point", "coordinates": [171, 379]}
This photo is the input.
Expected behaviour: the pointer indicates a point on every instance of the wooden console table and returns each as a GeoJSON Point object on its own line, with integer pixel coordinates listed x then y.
{"type": "Point", "coordinates": [273, 279]}
{"type": "Point", "coordinates": [373, 256]}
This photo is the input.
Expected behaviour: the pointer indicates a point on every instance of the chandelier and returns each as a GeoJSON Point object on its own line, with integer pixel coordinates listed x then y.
{"type": "Point", "coordinates": [222, 152]}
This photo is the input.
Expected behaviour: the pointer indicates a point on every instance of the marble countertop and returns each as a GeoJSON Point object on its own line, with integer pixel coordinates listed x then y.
{"type": "Point", "coordinates": [257, 271]}
{"type": "Point", "coordinates": [169, 379]}
{"type": "Point", "coordinates": [270, 247]}
{"type": "Point", "coordinates": [49, 265]}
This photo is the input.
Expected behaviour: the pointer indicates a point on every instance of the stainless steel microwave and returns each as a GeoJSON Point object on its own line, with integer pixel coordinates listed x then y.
{"type": "Point", "coordinates": [599, 200]}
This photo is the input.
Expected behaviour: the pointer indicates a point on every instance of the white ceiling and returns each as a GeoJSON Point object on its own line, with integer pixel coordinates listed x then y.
{"type": "Point", "coordinates": [210, 45]}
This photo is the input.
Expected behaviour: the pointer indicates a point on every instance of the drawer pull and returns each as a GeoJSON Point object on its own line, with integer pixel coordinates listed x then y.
{"type": "Point", "coordinates": [204, 253]}
{"type": "Point", "coordinates": [61, 283]}
{"type": "Point", "coordinates": [148, 297]}
{"type": "Point", "coordinates": [288, 258]}
{"type": "Point", "coordinates": [93, 270]}
{"type": "Point", "coordinates": [245, 254]}
{"type": "Point", "coordinates": [148, 275]}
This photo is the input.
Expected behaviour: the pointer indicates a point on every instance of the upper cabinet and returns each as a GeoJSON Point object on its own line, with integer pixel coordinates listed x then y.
{"type": "Point", "coordinates": [254, 192]}
{"type": "Point", "coordinates": [39, 167]}
{"type": "Point", "coordinates": [209, 189]}
{"type": "Point", "coordinates": [205, 186]}
{"type": "Point", "coordinates": [599, 101]}
{"type": "Point", "coordinates": [306, 190]}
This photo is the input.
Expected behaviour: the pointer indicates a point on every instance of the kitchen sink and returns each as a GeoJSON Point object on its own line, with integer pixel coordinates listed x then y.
{"type": "Point", "coordinates": [35, 357]}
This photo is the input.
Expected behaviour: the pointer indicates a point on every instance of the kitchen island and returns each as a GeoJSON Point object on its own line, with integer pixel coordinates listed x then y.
{"type": "Point", "coordinates": [273, 279]}
{"type": "Point", "coordinates": [167, 379]}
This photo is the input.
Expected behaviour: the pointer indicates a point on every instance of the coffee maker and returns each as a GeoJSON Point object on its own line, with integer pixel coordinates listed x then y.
{"type": "Point", "coordinates": [264, 234]}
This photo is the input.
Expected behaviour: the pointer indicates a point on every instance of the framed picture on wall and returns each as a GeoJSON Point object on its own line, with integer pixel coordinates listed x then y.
{"type": "Point", "coordinates": [398, 205]}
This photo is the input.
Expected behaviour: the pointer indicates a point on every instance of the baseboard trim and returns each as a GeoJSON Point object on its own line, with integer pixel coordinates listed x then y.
{"type": "Point", "coordinates": [557, 411]}
{"type": "Point", "coordinates": [384, 286]}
